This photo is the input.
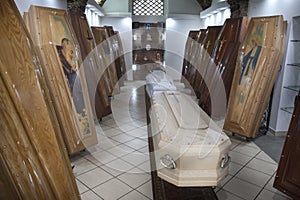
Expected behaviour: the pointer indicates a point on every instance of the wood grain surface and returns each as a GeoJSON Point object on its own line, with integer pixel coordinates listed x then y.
{"type": "Point", "coordinates": [34, 163]}
{"type": "Point", "coordinates": [220, 70]}
{"type": "Point", "coordinates": [254, 79]}
{"type": "Point", "coordinates": [73, 108]}
{"type": "Point", "coordinates": [91, 64]}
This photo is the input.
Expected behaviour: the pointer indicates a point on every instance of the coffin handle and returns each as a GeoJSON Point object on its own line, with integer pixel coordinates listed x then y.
{"type": "Point", "coordinates": [225, 161]}
{"type": "Point", "coordinates": [168, 162]}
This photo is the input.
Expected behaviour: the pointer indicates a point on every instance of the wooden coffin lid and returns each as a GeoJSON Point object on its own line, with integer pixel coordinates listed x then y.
{"type": "Point", "coordinates": [221, 68]}
{"type": "Point", "coordinates": [78, 128]}
{"type": "Point", "coordinates": [191, 36]}
{"type": "Point", "coordinates": [205, 53]}
{"type": "Point", "coordinates": [250, 92]}
{"type": "Point", "coordinates": [121, 55]}
{"type": "Point", "coordinates": [91, 63]}
{"type": "Point", "coordinates": [33, 158]}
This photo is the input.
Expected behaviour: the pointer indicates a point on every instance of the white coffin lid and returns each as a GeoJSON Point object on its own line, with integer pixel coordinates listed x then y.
{"type": "Point", "coordinates": [185, 133]}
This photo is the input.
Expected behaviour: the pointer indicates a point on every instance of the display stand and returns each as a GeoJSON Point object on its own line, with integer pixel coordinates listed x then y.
{"type": "Point", "coordinates": [162, 190]}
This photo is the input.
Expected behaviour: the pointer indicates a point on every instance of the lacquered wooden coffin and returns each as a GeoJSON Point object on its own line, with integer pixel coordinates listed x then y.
{"type": "Point", "coordinates": [256, 69]}
{"type": "Point", "coordinates": [219, 74]}
{"type": "Point", "coordinates": [104, 48]}
{"type": "Point", "coordinates": [120, 59]}
{"type": "Point", "coordinates": [58, 48]}
{"type": "Point", "coordinates": [93, 67]}
{"type": "Point", "coordinates": [187, 51]}
{"type": "Point", "coordinates": [204, 57]}
{"type": "Point", "coordinates": [191, 69]}
{"type": "Point", "coordinates": [190, 149]}
{"type": "Point", "coordinates": [33, 160]}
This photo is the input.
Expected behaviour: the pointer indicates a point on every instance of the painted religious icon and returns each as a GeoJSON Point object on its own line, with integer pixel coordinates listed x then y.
{"type": "Point", "coordinates": [69, 62]}
{"type": "Point", "coordinates": [251, 50]}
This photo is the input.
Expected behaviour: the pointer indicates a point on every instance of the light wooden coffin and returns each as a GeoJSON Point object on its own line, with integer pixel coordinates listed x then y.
{"type": "Point", "coordinates": [253, 80]}
{"type": "Point", "coordinates": [33, 161]}
{"type": "Point", "coordinates": [220, 70]}
{"type": "Point", "coordinates": [93, 68]}
{"type": "Point", "coordinates": [48, 28]}
{"type": "Point", "coordinates": [190, 149]}
{"type": "Point", "coordinates": [104, 48]}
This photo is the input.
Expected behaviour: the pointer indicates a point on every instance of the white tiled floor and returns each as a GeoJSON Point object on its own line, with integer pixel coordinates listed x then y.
{"type": "Point", "coordinates": [118, 167]}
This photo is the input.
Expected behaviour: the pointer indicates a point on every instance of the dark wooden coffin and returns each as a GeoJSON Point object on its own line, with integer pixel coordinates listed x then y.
{"type": "Point", "coordinates": [220, 70]}
{"type": "Point", "coordinates": [191, 70]}
{"type": "Point", "coordinates": [204, 56]}
{"type": "Point", "coordinates": [91, 64]}
{"type": "Point", "coordinates": [57, 46]}
{"type": "Point", "coordinates": [33, 161]}
{"type": "Point", "coordinates": [287, 178]}
{"type": "Point", "coordinates": [257, 66]}
{"type": "Point", "coordinates": [120, 58]}
{"type": "Point", "coordinates": [193, 35]}
{"type": "Point", "coordinates": [164, 190]}
{"type": "Point", "coordinates": [104, 49]}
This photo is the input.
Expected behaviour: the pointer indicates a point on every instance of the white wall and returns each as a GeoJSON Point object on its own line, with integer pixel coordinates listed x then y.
{"type": "Point", "coordinates": [184, 7]}
{"type": "Point", "coordinates": [177, 31]}
{"type": "Point", "coordinates": [23, 5]}
{"type": "Point", "coordinates": [288, 8]}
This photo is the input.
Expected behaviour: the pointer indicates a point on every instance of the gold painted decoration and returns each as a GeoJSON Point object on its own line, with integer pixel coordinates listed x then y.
{"type": "Point", "coordinates": [33, 161]}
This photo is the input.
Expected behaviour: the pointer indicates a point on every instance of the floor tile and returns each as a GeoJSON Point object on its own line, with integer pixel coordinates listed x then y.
{"type": "Point", "coordinates": [122, 138]}
{"type": "Point", "coordinates": [269, 186]}
{"type": "Point", "coordinates": [253, 176]}
{"type": "Point", "coordinates": [224, 181]}
{"type": "Point", "coordinates": [126, 127]}
{"type": "Point", "coordinates": [134, 195]}
{"type": "Point", "coordinates": [90, 195]}
{"type": "Point", "coordinates": [135, 158]}
{"type": "Point", "coordinates": [111, 171]}
{"type": "Point", "coordinates": [242, 188]}
{"type": "Point", "coordinates": [145, 166]}
{"type": "Point", "coordinates": [120, 150]}
{"type": "Point", "coordinates": [239, 158]}
{"type": "Point", "coordinates": [224, 195]}
{"type": "Point", "coordinates": [262, 166]}
{"type": "Point", "coordinates": [246, 149]}
{"type": "Point", "coordinates": [146, 190]}
{"type": "Point", "coordinates": [136, 144]}
{"type": "Point", "coordinates": [112, 132]}
{"type": "Point", "coordinates": [119, 165]}
{"type": "Point", "coordinates": [82, 165]}
{"type": "Point", "coordinates": [234, 168]}
{"type": "Point", "coordinates": [101, 158]}
{"type": "Point", "coordinates": [112, 189]}
{"type": "Point", "coordinates": [82, 188]}
{"type": "Point", "coordinates": [263, 156]}
{"type": "Point", "coordinates": [268, 195]}
{"type": "Point", "coordinates": [134, 180]}
{"type": "Point", "coordinates": [94, 177]}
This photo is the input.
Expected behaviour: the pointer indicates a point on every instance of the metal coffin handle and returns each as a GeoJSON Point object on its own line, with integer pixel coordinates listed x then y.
{"type": "Point", "coordinates": [225, 161]}
{"type": "Point", "coordinates": [168, 162]}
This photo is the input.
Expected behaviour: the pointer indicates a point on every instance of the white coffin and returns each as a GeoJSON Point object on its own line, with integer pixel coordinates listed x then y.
{"type": "Point", "coordinates": [189, 148]}
{"type": "Point", "coordinates": [157, 81]}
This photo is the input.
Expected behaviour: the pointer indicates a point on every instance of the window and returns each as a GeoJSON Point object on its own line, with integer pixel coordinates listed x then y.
{"type": "Point", "coordinates": [148, 7]}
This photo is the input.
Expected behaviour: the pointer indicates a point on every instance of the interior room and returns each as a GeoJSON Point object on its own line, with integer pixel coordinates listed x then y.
{"type": "Point", "coordinates": [150, 99]}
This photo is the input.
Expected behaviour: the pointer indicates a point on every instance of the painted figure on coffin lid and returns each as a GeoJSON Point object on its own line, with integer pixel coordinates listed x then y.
{"type": "Point", "coordinates": [68, 56]}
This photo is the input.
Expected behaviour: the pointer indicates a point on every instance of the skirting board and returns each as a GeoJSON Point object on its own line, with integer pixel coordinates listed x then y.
{"type": "Point", "coordinates": [277, 133]}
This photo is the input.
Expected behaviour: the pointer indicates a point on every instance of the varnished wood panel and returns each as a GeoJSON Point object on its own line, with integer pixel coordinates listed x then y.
{"type": "Point", "coordinates": [34, 163]}
{"type": "Point", "coordinates": [193, 35]}
{"type": "Point", "coordinates": [50, 29]}
{"type": "Point", "coordinates": [91, 63]}
{"type": "Point", "coordinates": [287, 178]}
{"type": "Point", "coordinates": [119, 57]}
{"type": "Point", "coordinates": [105, 51]}
{"type": "Point", "coordinates": [252, 85]}
{"type": "Point", "coordinates": [221, 67]}
{"type": "Point", "coordinates": [204, 56]}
